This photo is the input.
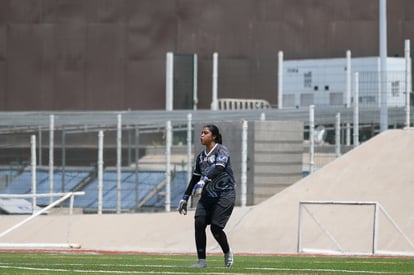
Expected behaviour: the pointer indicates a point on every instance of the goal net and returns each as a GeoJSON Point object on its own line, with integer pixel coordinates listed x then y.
{"type": "Point", "coordinates": [37, 212]}
{"type": "Point", "coordinates": [349, 227]}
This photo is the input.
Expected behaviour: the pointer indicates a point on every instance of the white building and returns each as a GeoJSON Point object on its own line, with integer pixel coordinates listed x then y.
{"type": "Point", "coordinates": [324, 82]}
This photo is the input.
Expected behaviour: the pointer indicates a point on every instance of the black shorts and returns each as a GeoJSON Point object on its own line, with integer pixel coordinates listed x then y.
{"type": "Point", "coordinates": [216, 211]}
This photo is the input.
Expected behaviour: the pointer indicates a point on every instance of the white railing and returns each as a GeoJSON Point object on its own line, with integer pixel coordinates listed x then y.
{"type": "Point", "coordinates": [242, 104]}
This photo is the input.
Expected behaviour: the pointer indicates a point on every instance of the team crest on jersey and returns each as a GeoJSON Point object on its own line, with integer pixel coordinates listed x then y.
{"type": "Point", "coordinates": [222, 158]}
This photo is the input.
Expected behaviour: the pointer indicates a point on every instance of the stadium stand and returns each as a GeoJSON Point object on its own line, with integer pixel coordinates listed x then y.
{"type": "Point", "coordinates": [144, 190]}
{"type": "Point", "coordinates": [22, 184]}
{"type": "Point", "coordinates": [131, 196]}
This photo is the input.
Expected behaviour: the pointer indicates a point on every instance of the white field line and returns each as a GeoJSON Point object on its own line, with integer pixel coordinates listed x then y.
{"type": "Point", "coordinates": [327, 270]}
{"type": "Point", "coordinates": [7, 266]}
{"type": "Point", "coordinates": [109, 271]}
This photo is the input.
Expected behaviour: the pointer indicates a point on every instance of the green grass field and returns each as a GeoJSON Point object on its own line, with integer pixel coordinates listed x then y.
{"type": "Point", "coordinates": [60, 263]}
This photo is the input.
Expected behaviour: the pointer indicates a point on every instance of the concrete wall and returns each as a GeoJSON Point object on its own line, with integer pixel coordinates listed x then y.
{"type": "Point", "coordinates": [274, 158]}
{"type": "Point", "coordinates": [110, 55]}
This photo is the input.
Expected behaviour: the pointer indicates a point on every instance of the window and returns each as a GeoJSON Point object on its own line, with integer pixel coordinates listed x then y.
{"type": "Point", "coordinates": [306, 99]}
{"type": "Point", "coordinates": [307, 79]}
{"type": "Point", "coordinates": [395, 88]}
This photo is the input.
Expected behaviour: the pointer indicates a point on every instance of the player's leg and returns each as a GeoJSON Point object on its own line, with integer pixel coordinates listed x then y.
{"type": "Point", "coordinates": [220, 217]}
{"type": "Point", "coordinates": [200, 224]}
{"type": "Point", "coordinates": [220, 237]}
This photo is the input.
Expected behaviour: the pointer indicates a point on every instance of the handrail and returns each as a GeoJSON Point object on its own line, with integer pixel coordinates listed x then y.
{"type": "Point", "coordinates": [242, 104]}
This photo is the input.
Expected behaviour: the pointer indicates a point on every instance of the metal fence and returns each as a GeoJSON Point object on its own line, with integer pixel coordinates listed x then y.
{"type": "Point", "coordinates": [70, 139]}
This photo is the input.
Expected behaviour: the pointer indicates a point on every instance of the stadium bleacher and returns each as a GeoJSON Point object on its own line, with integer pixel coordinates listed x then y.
{"type": "Point", "coordinates": [134, 188]}
{"type": "Point", "coordinates": [22, 183]}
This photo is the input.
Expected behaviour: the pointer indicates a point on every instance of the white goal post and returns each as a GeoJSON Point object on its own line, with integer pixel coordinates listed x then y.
{"type": "Point", "coordinates": [64, 196]}
{"type": "Point", "coordinates": [377, 208]}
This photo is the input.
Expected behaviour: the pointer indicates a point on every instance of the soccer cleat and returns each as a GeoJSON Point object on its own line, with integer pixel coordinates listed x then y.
{"type": "Point", "coordinates": [228, 259]}
{"type": "Point", "coordinates": [201, 263]}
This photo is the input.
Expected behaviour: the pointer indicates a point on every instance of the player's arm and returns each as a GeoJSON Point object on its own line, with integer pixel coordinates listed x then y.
{"type": "Point", "coordinates": [190, 187]}
{"type": "Point", "coordinates": [182, 205]}
{"type": "Point", "coordinates": [211, 173]}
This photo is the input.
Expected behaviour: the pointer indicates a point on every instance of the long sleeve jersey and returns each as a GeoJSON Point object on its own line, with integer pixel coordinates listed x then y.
{"type": "Point", "coordinates": [216, 166]}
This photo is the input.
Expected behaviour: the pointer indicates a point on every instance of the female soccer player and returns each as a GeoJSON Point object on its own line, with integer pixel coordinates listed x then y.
{"type": "Point", "coordinates": [212, 180]}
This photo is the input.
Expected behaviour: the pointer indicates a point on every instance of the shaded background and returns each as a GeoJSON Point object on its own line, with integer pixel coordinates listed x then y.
{"type": "Point", "coordinates": [110, 54]}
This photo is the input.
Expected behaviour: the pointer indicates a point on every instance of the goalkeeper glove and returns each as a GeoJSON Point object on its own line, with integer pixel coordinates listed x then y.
{"type": "Point", "coordinates": [198, 188]}
{"type": "Point", "coordinates": [182, 205]}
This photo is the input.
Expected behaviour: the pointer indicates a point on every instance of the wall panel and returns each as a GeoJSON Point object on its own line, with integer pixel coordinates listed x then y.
{"type": "Point", "coordinates": [110, 55]}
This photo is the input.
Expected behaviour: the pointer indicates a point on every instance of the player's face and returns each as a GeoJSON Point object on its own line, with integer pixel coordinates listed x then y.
{"type": "Point", "coordinates": [207, 137]}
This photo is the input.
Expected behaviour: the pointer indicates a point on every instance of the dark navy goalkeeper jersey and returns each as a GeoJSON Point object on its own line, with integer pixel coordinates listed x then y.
{"type": "Point", "coordinates": [216, 167]}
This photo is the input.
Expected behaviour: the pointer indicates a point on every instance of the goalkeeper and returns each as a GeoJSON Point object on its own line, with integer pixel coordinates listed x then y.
{"type": "Point", "coordinates": [212, 180]}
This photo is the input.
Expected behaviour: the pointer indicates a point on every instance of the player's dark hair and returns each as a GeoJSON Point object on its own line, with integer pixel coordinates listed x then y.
{"type": "Point", "coordinates": [215, 132]}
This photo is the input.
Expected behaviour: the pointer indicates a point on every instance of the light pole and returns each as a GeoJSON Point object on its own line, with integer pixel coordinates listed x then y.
{"type": "Point", "coordinates": [383, 63]}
